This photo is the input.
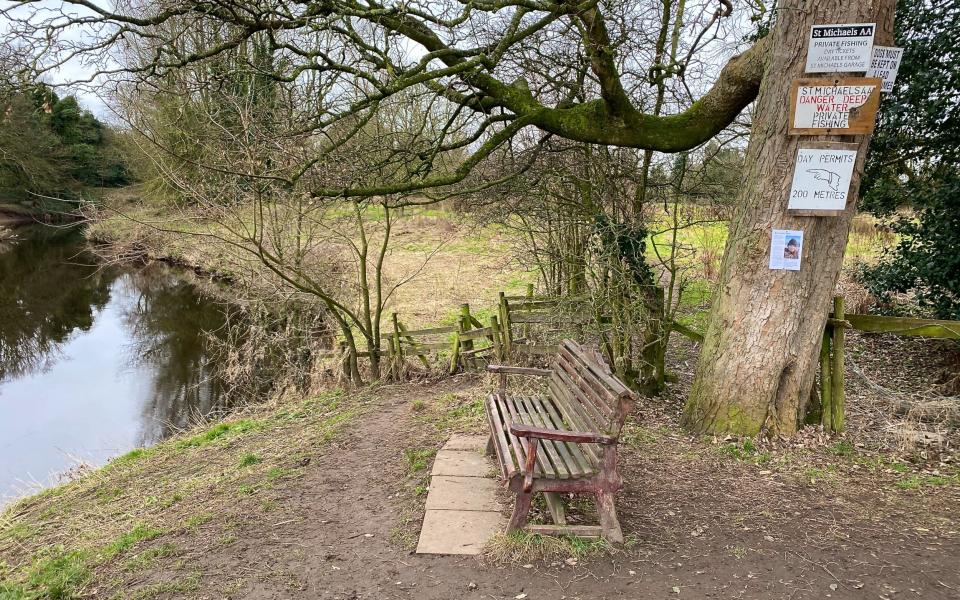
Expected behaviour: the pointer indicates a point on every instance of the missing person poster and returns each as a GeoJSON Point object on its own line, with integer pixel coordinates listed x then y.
{"type": "Point", "coordinates": [786, 248]}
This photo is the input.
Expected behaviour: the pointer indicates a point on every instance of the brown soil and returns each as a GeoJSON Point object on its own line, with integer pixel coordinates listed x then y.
{"type": "Point", "coordinates": [704, 518]}
{"type": "Point", "coordinates": [699, 521]}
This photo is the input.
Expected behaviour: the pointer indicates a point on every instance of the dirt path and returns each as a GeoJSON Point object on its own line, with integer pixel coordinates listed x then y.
{"type": "Point", "coordinates": [701, 526]}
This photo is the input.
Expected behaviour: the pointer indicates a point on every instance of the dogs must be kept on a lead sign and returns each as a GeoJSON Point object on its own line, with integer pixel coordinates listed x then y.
{"type": "Point", "coordinates": [840, 48]}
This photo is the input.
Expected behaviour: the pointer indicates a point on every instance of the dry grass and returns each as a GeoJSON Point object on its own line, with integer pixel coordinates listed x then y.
{"type": "Point", "coordinates": [99, 530]}
{"type": "Point", "coordinates": [521, 548]}
{"type": "Point", "coordinates": [439, 259]}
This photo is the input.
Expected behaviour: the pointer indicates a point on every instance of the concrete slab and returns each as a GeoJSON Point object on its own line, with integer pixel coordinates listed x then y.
{"type": "Point", "coordinates": [462, 493]}
{"type": "Point", "coordinates": [460, 464]}
{"type": "Point", "coordinates": [460, 441]}
{"type": "Point", "coordinates": [457, 531]}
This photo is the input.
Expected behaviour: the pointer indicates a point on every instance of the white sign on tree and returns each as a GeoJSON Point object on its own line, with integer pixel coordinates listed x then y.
{"type": "Point", "coordinates": [821, 177]}
{"type": "Point", "coordinates": [840, 48]}
{"type": "Point", "coordinates": [885, 64]}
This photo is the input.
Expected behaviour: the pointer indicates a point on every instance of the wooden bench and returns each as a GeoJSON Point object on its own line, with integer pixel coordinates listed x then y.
{"type": "Point", "coordinates": [565, 441]}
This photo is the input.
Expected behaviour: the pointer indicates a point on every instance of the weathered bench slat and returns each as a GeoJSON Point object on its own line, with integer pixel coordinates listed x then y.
{"type": "Point", "coordinates": [614, 384]}
{"type": "Point", "coordinates": [589, 378]}
{"type": "Point", "coordinates": [596, 418]}
{"type": "Point", "coordinates": [533, 417]}
{"type": "Point", "coordinates": [577, 463]}
{"type": "Point", "coordinates": [597, 398]}
{"type": "Point", "coordinates": [573, 415]}
{"type": "Point", "coordinates": [518, 412]}
{"type": "Point", "coordinates": [508, 466]}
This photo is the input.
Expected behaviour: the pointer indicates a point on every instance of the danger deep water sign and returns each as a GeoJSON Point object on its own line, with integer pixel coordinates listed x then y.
{"type": "Point", "coordinates": [846, 106]}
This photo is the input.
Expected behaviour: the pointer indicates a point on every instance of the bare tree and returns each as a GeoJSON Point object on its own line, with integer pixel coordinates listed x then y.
{"type": "Point", "coordinates": [757, 364]}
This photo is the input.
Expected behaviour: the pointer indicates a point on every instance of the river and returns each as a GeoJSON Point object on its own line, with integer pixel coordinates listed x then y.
{"type": "Point", "coordinates": [95, 360]}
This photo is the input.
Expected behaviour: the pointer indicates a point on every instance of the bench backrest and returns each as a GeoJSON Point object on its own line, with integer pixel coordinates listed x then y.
{"type": "Point", "coordinates": [591, 397]}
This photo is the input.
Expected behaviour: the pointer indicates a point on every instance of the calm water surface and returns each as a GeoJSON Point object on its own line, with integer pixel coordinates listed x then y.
{"type": "Point", "coordinates": [94, 360]}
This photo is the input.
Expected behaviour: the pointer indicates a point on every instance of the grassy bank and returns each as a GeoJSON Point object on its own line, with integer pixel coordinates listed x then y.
{"type": "Point", "coordinates": [98, 531]}
{"type": "Point", "coordinates": [439, 258]}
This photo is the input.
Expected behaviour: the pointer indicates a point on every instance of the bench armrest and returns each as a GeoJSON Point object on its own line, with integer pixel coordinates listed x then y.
{"type": "Point", "coordinates": [504, 370]}
{"type": "Point", "coordinates": [542, 433]}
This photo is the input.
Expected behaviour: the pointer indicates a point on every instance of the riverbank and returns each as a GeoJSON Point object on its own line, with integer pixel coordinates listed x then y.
{"type": "Point", "coordinates": [324, 497]}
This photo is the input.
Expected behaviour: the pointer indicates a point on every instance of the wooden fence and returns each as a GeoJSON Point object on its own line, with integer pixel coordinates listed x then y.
{"type": "Point", "coordinates": [470, 344]}
{"type": "Point", "coordinates": [832, 383]}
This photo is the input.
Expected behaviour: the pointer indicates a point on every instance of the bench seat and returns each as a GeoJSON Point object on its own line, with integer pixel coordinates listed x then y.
{"type": "Point", "coordinates": [558, 460]}
{"type": "Point", "coordinates": [563, 441]}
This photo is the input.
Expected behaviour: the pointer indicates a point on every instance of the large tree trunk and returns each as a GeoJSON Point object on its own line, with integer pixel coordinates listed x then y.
{"type": "Point", "coordinates": [759, 356]}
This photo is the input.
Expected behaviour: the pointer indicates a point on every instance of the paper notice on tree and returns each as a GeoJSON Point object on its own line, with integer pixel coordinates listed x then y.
{"type": "Point", "coordinates": [821, 179]}
{"type": "Point", "coordinates": [885, 64]}
{"type": "Point", "coordinates": [786, 248]}
{"type": "Point", "coordinates": [840, 48]}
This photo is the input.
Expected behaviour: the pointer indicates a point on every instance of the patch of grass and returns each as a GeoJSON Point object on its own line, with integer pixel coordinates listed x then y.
{"type": "Point", "coordinates": [149, 558]}
{"type": "Point", "coordinates": [418, 405]}
{"type": "Point", "coordinates": [418, 459]}
{"type": "Point", "coordinates": [814, 474]}
{"type": "Point", "coordinates": [277, 473]}
{"type": "Point", "coordinates": [915, 482]}
{"type": "Point", "coordinates": [198, 520]}
{"type": "Point", "coordinates": [524, 547]}
{"type": "Point", "coordinates": [737, 551]}
{"type": "Point", "coordinates": [139, 533]}
{"type": "Point", "coordinates": [133, 456]}
{"type": "Point", "coordinates": [19, 532]}
{"type": "Point", "coordinates": [179, 585]}
{"type": "Point", "coordinates": [746, 451]}
{"type": "Point", "coordinates": [218, 431]}
{"type": "Point", "coordinates": [249, 459]}
{"type": "Point", "coordinates": [637, 436]}
{"type": "Point", "coordinates": [57, 574]}
{"type": "Point", "coordinates": [842, 448]}
{"type": "Point", "coordinates": [453, 413]}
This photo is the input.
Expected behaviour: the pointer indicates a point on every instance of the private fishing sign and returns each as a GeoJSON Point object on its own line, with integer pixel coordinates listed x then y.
{"type": "Point", "coordinates": [840, 48]}
{"type": "Point", "coordinates": [845, 106]}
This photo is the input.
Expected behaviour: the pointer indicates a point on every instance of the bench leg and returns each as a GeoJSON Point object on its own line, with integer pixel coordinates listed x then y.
{"type": "Point", "coordinates": [490, 449]}
{"type": "Point", "coordinates": [520, 511]}
{"type": "Point", "coordinates": [555, 504]}
{"type": "Point", "coordinates": [608, 518]}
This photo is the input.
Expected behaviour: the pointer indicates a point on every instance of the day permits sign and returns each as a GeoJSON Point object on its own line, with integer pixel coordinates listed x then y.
{"type": "Point", "coordinates": [846, 106]}
{"type": "Point", "coordinates": [841, 48]}
{"type": "Point", "coordinates": [821, 178]}
{"type": "Point", "coordinates": [885, 64]}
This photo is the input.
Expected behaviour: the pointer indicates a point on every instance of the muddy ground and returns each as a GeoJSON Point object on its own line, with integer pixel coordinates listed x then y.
{"type": "Point", "coordinates": [816, 518]}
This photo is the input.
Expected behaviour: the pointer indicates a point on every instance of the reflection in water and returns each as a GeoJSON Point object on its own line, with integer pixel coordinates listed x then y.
{"type": "Point", "coordinates": [46, 292]}
{"type": "Point", "coordinates": [94, 360]}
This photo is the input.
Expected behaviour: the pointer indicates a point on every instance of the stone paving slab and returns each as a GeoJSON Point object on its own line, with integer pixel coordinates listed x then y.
{"type": "Point", "coordinates": [458, 531]}
{"type": "Point", "coordinates": [462, 511]}
{"type": "Point", "coordinates": [460, 441]}
{"type": "Point", "coordinates": [462, 493]}
{"type": "Point", "coordinates": [460, 464]}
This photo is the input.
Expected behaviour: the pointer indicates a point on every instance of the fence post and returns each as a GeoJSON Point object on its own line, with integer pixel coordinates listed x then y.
{"type": "Point", "coordinates": [826, 412]}
{"type": "Point", "coordinates": [526, 326]}
{"type": "Point", "coordinates": [495, 335]}
{"type": "Point", "coordinates": [455, 354]}
{"type": "Point", "coordinates": [398, 354]}
{"type": "Point", "coordinates": [414, 345]}
{"type": "Point", "coordinates": [466, 325]}
{"type": "Point", "coordinates": [505, 323]}
{"type": "Point", "coordinates": [837, 377]}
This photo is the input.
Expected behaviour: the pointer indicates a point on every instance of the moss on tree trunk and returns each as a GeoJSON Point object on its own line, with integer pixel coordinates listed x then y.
{"type": "Point", "coordinates": [760, 351]}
